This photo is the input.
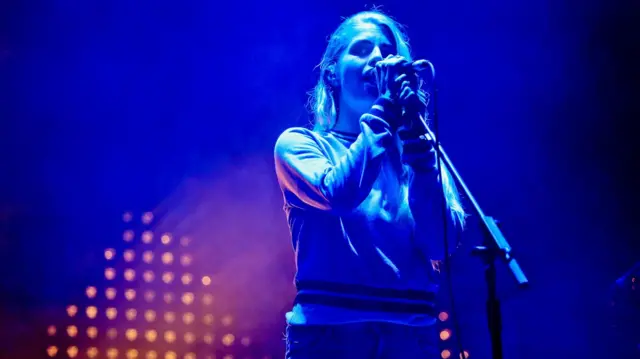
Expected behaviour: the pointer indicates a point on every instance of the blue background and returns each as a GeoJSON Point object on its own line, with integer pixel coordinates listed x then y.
{"type": "Point", "coordinates": [174, 108]}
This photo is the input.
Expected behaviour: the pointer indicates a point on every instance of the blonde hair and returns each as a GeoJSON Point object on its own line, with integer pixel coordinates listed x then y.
{"type": "Point", "coordinates": [323, 99]}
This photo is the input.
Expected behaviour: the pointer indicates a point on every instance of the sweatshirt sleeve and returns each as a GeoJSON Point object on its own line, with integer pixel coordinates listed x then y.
{"type": "Point", "coordinates": [307, 176]}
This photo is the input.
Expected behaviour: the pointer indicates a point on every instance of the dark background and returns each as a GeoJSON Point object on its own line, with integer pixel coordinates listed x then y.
{"type": "Point", "coordinates": [108, 107]}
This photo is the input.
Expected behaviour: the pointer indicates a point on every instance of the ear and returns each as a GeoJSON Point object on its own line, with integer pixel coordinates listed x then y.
{"type": "Point", "coordinates": [331, 77]}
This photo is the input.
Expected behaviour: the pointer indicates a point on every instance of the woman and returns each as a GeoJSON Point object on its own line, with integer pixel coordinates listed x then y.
{"type": "Point", "coordinates": [364, 273]}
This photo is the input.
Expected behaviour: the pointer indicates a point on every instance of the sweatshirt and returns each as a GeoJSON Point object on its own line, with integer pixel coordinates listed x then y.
{"type": "Point", "coordinates": [361, 232]}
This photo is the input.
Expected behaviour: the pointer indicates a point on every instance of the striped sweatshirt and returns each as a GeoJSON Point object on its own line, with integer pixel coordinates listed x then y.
{"type": "Point", "coordinates": [362, 238]}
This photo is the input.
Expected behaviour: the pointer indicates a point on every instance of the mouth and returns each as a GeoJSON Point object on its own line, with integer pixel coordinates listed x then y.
{"type": "Point", "coordinates": [369, 77]}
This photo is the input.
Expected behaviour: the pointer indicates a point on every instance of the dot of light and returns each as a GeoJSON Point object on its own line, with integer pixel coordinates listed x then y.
{"type": "Point", "coordinates": [147, 237]}
{"type": "Point", "coordinates": [132, 354]}
{"type": "Point", "coordinates": [109, 253]}
{"type": "Point", "coordinates": [129, 255]}
{"type": "Point", "coordinates": [112, 353]}
{"type": "Point", "coordinates": [228, 339]}
{"type": "Point", "coordinates": [227, 320]}
{"type": "Point", "coordinates": [445, 354]}
{"type": "Point", "coordinates": [208, 338]}
{"type": "Point", "coordinates": [131, 314]}
{"type": "Point", "coordinates": [130, 294]}
{"type": "Point", "coordinates": [72, 330]}
{"type": "Point", "coordinates": [127, 217]}
{"type": "Point", "coordinates": [149, 295]}
{"type": "Point", "coordinates": [187, 298]}
{"type": "Point", "coordinates": [147, 256]}
{"type": "Point", "coordinates": [91, 292]}
{"type": "Point", "coordinates": [445, 334]}
{"type": "Point", "coordinates": [110, 293]}
{"type": "Point", "coordinates": [150, 315]}
{"type": "Point", "coordinates": [167, 277]}
{"type": "Point", "coordinates": [129, 274]}
{"type": "Point", "coordinates": [208, 319]}
{"type": "Point", "coordinates": [167, 257]}
{"type": "Point", "coordinates": [188, 318]}
{"type": "Point", "coordinates": [168, 297]}
{"type": "Point", "coordinates": [112, 333]}
{"type": "Point", "coordinates": [131, 334]}
{"type": "Point", "coordinates": [111, 313]}
{"type": "Point", "coordinates": [443, 316]}
{"type": "Point", "coordinates": [92, 352]}
{"type": "Point", "coordinates": [151, 355]}
{"type": "Point", "coordinates": [185, 260]}
{"type": "Point", "coordinates": [52, 351]}
{"type": "Point", "coordinates": [185, 241]}
{"type": "Point", "coordinates": [187, 278]}
{"type": "Point", "coordinates": [170, 355]}
{"type": "Point", "coordinates": [147, 217]}
{"type": "Point", "coordinates": [189, 337]}
{"type": "Point", "coordinates": [92, 332]}
{"type": "Point", "coordinates": [206, 280]}
{"type": "Point", "coordinates": [51, 330]}
{"type": "Point", "coordinates": [190, 356]}
{"type": "Point", "coordinates": [151, 335]}
{"type": "Point", "coordinates": [128, 235]}
{"type": "Point", "coordinates": [169, 336]}
{"type": "Point", "coordinates": [109, 273]}
{"type": "Point", "coordinates": [169, 317]}
{"type": "Point", "coordinates": [91, 312]}
{"type": "Point", "coordinates": [72, 351]}
{"type": "Point", "coordinates": [72, 310]}
{"type": "Point", "coordinates": [148, 276]}
{"type": "Point", "coordinates": [207, 299]}
{"type": "Point", "coordinates": [166, 238]}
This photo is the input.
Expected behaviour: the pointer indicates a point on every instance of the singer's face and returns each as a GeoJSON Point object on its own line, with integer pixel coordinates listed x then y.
{"type": "Point", "coordinates": [369, 44]}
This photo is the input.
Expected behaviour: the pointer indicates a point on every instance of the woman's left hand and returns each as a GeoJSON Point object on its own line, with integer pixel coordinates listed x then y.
{"type": "Point", "coordinates": [410, 97]}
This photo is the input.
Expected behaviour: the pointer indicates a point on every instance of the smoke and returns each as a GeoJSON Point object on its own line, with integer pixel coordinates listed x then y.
{"type": "Point", "coordinates": [239, 237]}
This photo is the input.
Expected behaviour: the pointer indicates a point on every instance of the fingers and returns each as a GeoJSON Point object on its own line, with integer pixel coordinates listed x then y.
{"type": "Point", "coordinates": [382, 69]}
{"type": "Point", "coordinates": [388, 81]}
{"type": "Point", "coordinates": [409, 81]}
{"type": "Point", "coordinates": [391, 62]}
{"type": "Point", "coordinates": [402, 79]}
{"type": "Point", "coordinates": [412, 79]}
{"type": "Point", "coordinates": [394, 61]}
{"type": "Point", "coordinates": [385, 63]}
{"type": "Point", "coordinates": [423, 97]}
{"type": "Point", "coordinates": [406, 93]}
{"type": "Point", "coordinates": [414, 101]}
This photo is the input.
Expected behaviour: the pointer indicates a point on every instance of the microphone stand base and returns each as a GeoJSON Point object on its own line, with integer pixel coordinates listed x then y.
{"type": "Point", "coordinates": [494, 315]}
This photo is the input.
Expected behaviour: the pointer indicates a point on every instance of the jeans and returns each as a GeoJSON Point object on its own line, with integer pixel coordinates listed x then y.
{"type": "Point", "coordinates": [366, 340]}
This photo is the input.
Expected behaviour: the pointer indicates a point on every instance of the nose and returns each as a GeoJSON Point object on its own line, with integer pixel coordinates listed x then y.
{"type": "Point", "coordinates": [375, 56]}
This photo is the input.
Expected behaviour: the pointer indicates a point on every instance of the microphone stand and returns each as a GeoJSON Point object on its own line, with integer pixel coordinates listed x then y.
{"type": "Point", "coordinates": [494, 247]}
{"type": "Point", "coordinates": [633, 271]}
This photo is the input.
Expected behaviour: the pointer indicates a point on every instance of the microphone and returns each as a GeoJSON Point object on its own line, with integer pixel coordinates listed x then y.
{"type": "Point", "coordinates": [420, 66]}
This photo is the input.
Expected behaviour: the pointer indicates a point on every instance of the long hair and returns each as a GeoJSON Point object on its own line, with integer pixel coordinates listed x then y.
{"type": "Point", "coordinates": [324, 99]}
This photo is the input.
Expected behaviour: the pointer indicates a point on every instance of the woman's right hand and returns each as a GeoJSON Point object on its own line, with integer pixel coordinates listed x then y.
{"type": "Point", "coordinates": [387, 72]}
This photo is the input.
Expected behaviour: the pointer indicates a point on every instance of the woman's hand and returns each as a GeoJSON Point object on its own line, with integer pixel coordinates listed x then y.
{"type": "Point", "coordinates": [413, 100]}
{"type": "Point", "coordinates": [388, 71]}
{"type": "Point", "coordinates": [398, 82]}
